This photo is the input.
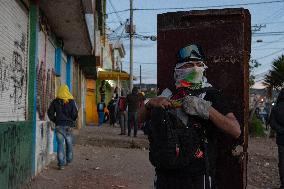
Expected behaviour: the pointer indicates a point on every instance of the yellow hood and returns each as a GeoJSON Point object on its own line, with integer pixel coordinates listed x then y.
{"type": "Point", "coordinates": [64, 94]}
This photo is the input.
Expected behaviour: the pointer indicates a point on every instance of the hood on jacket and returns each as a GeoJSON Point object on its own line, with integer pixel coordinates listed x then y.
{"type": "Point", "coordinates": [64, 94]}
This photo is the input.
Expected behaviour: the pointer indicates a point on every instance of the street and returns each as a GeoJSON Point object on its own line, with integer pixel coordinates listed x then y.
{"type": "Point", "coordinates": [104, 160]}
{"type": "Point", "coordinates": [100, 167]}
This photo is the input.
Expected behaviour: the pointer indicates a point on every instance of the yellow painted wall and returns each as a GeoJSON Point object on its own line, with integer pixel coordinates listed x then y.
{"type": "Point", "coordinates": [91, 103]}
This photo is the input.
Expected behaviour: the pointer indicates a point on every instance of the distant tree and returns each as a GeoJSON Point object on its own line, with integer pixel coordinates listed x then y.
{"type": "Point", "coordinates": [275, 78]}
{"type": "Point", "coordinates": [252, 65]}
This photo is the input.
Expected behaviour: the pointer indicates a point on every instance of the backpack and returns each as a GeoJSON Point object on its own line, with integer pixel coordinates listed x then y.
{"type": "Point", "coordinates": [122, 103]}
{"type": "Point", "coordinates": [111, 105]}
{"type": "Point", "coordinates": [175, 146]}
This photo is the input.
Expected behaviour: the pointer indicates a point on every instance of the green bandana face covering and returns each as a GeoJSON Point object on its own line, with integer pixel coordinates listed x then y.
{"type": "Point", "coordinates": [192, 75]}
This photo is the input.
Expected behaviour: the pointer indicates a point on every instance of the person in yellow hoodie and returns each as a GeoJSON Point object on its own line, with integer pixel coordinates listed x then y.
{"type": "Point", "coordinates": [63, 112]}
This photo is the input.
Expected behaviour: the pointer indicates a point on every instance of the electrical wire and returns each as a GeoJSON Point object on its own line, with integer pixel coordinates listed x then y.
{"type": "Point", "coordinates": [259, 80]}
{"type": "Point", "coordinates": [143, 62]}
{"type": "Point", "coordinates": [199, 7]}
{"type": "Point", "coordinates": [275, 14]}
{"type": "Point", "coordinates": [268, 23]}
{"type": "Point", "coordinates": [268, 33]}
{"type": "Point", "coordinates": [115, 11]}
{"type": "Point", "coordinates": [270, 54]}
{"type": "Point", "coordinates": [275, 41]}
{"type": "Point", "coordinates": [264, 49]}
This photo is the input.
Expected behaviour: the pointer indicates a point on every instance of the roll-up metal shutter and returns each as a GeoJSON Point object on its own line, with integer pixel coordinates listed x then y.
{"type": "Point", "coordinates": [13, 61]}
{"type": "Point", "coordinates": [63, 68]}
{"type": "Point", "coordinates": [50, 63]}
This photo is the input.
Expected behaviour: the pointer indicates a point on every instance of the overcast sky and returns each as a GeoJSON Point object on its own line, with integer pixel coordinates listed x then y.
{"type": "Point", "coordinates": [270, 14]}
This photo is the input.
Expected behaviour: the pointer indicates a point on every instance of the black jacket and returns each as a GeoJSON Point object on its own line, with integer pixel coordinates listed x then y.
{"type": "Point", "coordinates": [277, 118]}
{"type": "Point", "coordinates": [63, 114]}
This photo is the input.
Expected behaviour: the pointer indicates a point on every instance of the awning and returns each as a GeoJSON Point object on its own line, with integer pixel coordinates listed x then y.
{"type": "Point", "coordinates": [113, 75]}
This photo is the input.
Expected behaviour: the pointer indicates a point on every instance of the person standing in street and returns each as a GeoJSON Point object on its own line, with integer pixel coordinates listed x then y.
{"type": "Point", "coordinates": [133, 101]}
{"type": "Point", "coordinates": [101, 112]}
{"type": "Point", "coordinates": [102, 91]}
{"type": "Point", "coordinates": [112, 111]}
{"type": "Point", "coordinates": [185, 124]}
{"type": "Point", "coordinates": [277, 124]}
{"type": "Point", "coordinates": [122, 114]}
{"type": "Point", "coordinates": [63, 112]}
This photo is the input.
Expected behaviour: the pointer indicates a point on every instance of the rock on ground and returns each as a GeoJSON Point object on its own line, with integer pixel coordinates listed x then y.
{"type": "Point", "coordinates": [105, 160]}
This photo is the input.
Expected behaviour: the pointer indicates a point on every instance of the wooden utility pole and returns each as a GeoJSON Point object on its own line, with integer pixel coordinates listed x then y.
{"type": "Point", "coordinates": [131, 45]}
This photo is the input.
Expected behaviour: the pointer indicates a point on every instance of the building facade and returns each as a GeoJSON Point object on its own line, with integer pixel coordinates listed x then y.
{"type": "Point", "coordinates": [41, 48]}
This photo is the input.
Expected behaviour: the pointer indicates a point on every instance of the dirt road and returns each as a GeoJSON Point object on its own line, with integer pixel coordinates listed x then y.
{"type": "Point", "coordinates": [125, 166]}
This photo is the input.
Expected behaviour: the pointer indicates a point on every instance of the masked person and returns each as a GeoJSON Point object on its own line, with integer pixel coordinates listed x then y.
{"type": "Point", "coordinates": [63, 112]}
{"type": "Point", "coordinates": [277, 124]}
{"type": "Point", "coordinates": [184, 126]}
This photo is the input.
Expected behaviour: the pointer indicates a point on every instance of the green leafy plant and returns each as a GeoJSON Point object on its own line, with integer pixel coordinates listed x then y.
{"type": "Point", "coordinates": [256, 129]}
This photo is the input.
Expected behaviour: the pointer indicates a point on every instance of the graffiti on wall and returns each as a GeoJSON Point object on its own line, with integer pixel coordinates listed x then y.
{"type": "Point", "coordinates": [11, 153]}
{"type": "Point", "coordinates": [18, 72]}
{"type": "Point", "coordinates": [13, 75]}
{"type": "Point", "coordinates": [45, 89]}
{"type": "Point", "coordinates": [223, 59]}
{"type": "Point", "coordinates": [44, 142]}
{"type": "Point", "coordinates": [4, 76]}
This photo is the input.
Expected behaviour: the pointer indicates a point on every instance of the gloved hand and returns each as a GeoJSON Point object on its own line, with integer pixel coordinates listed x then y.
{"type": "Point", "coordinates": [193, 105]}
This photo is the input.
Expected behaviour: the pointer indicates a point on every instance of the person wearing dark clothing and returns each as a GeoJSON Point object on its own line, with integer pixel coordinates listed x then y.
{"type": "Point", "coordinates": [101, 111]}
{"type": "Point", "coordinates": [112, 112]}
{"type": "Point", "coordinates": [133, 101]}
{"type": "Point", "coordinates": [122, 114]}
{"type": "Point", "coordinates": [277, 124]}
{"type": "Point", "coordinates": [184, 125]}
{"type": "Point", "coordinates": [102, 91]}
{"type": "Point", "coordinates": [63, 112]}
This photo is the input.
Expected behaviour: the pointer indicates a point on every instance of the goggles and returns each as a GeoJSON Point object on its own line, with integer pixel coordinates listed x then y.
{"type": "Point", "coordinates": [181, 64]}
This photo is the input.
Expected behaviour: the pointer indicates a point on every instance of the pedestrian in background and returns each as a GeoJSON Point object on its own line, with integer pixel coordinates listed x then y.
{"type": "Point", "coordinates": [112, 111]}
{"type": "Point", "coordinates": [133, 101]}
{"type": "Point", "coordinates": [102, 91]}
{"type": "Point", "coordinates": [101, 111]}
{"type": "Point", "coordinates": [122, 114]}
{"type": "Point", "coordinates": [63, 112]}
{"type": "Point", "coordinates": [277, 124]}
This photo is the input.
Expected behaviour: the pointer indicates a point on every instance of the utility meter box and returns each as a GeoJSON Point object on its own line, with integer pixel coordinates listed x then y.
{"type": "Point", "coordinates": [225, 37]}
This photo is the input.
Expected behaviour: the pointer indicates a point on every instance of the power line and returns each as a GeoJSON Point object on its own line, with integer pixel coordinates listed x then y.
{"type": "Point", "coordinates": [270, 54]}
{"type": "Point", "coordinates": [117, 15]}
{"type": "Point", "coordinates": [274, 14]}
{"type": "Point", "coordinates": [271, 42]}
{"type": "Point", "coordinates": [261, 74]}
{"type": "Point", "coordinates": [199, 7]}
{"type": "Point", "coordinates": [263, 49]}
{"type": "Point", "coordinates": [268, 33]}
{"type": "Point", "coordinates": [259, 80]}
{"type": "Point", "coordinates": [268, 23]}
{"type": "Point", "coordinates": [144, 62]}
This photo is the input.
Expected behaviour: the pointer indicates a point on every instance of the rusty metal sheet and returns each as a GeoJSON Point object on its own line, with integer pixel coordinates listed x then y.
{"type": "Point", "coordinates": [225, 37]}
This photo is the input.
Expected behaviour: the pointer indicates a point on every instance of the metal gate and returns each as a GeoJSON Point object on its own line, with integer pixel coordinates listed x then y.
{"type": "Point", "coordinates": [13, 61]}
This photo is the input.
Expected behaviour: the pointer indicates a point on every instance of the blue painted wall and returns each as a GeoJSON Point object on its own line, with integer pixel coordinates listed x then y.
{"type": "Point", "coordinates": [58, 54]}
{"type": "Point", "coordinates": [69, 72]}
